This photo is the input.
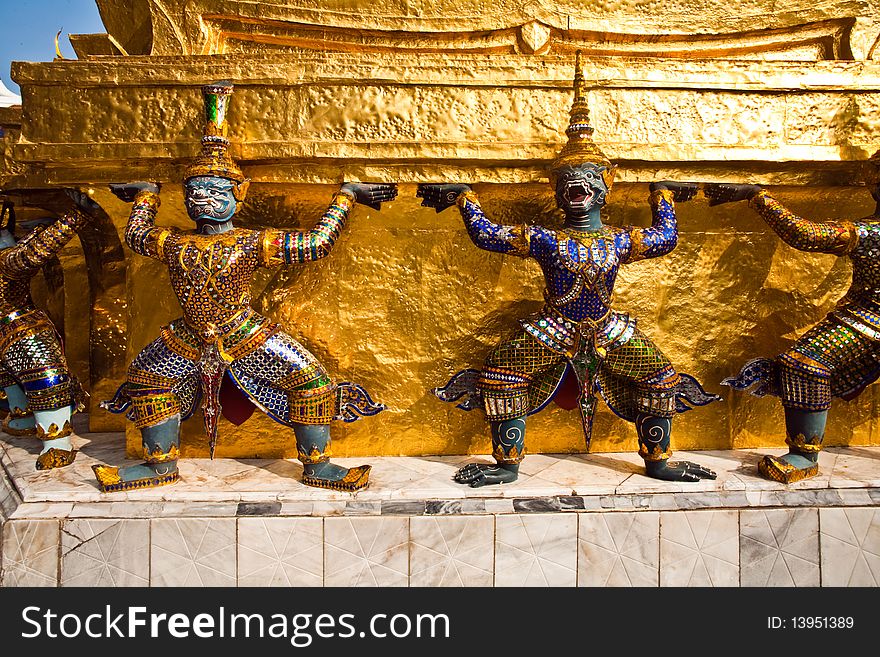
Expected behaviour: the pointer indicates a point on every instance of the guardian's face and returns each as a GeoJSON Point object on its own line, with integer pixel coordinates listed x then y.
{"type": "Point", "coordinates": [580, 189]}
{"type": "Point", "coordinates": [210, 198]}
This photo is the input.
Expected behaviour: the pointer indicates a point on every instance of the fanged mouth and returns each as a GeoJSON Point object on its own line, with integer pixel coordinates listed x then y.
{"type": "Point", "coordinates": [578, 193]}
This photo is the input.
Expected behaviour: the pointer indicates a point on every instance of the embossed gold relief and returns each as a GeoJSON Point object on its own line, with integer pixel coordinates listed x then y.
{"type": "Point", "coordinates": [405, 301]}
{"type": "Point", "coordinates": [823, 29]}
{"type": "Point", "coordinates": [433, 117]}
{"type": "Point", "coordinates": [482, 97]}
{"type": "Point", "coordinates": [10, 131]}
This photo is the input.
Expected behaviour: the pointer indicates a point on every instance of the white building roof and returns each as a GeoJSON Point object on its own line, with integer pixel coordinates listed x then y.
{"type": "Point", "coordinates": [7, 98]}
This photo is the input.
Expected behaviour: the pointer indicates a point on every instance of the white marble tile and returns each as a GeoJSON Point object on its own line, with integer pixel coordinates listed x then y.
{"type": "Point", "coordinates": [534, 464]}
{"type": "Point", "coordinates": [366, 551]}
{"type": "Point", "coordinates": [536, 550]}
{"type": "Point", "coordinates": [779, 547]}
{"type": "Point", "coordinates": [37, 510]}
{"type": "Point", "coordinates": [30, 553]}
{"type": "Point", "coordinates": [118, 509]}
{"type": "Point", "coordinates": [498, 506]}
{"type": "Point", "coordinates": [856, 467]}
{"type": "Point", "coordinates": [297, 508]}
{"type": "Point", "coordinates": [850, 545]}
{"type": "Point", "coordinates": [619, 549]}
{"type": "Point", "coordinates": [584, 475]}
{"type": "Point", "coordinates": [198, 509]}
{"type": "Point", "coordinates": [280, 552]}
{"type": "Point", "coordinates": [699, 548]}
{"type": "Point", "coordinates": [193, 552]}
{"type": "Point", "coordinates": [332, 508]}
{"type": "Point", "coordinates": [105, 553]}
{"type": "Point", "coordinates": [452, 551]}
{"type": "Point", "coordinates": [525, 486]}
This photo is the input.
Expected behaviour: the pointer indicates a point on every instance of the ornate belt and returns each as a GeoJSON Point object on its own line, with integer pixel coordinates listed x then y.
{"type": "Point", "coordinates": [580, 326]}
{"type": "Point", "coordinates": [15, 314]}
{"type": "Point", "coordinates": [221, 328]}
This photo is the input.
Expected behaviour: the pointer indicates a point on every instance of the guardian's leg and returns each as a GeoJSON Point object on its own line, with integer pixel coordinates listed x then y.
{"type": "Point", "coordinates": [313, 449]}
{"type": "Point", "coordinates": [640, 384]}
{"type": "Point", "coordinates": [20, 420]}
{"type": "Point", "coordinates": [508, 448]}
{"type": "Point", "coordinates": [161, 386]}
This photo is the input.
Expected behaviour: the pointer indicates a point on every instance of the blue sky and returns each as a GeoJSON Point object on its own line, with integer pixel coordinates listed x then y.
{"type": "Point", "coordinates": [27, 30]}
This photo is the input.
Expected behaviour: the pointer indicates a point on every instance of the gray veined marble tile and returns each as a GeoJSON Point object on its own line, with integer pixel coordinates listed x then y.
{"type": "Point", "coordinates": [30, 553]}
{"type": "Point", "coordinates": [443, 507]}
{"type": "Point", "coordinates": [571, 503]}
{"type": "Point", "coordinates": [850, 543]}
{"type": "Point", "coordinates": [258, 509]}
{"type": "Point", "coordinates": [452, 551]}
{"type": "Point", "coordinates": [403, 507]}
{"type": "Point", "coordinates": [536, 550]}
{"type": "Point", "coordinates": [536, 504]}
{"type": "Point", "coordinates": [280, 552]}
{"type": "Point", "coordinates": [619, 549]}
{"type": "Point", "coordinates": [105, 553]}
{"type": "Point", "coordinates": [366, 551]}
{"type": "Point", "coordinates": [363, 508]}
{"type": "Point", "coordinates": [193, 552]}
{"type": "Point", "coordinates": [699, 548]}
{"type": "Point", "coordinates": [779, 547]}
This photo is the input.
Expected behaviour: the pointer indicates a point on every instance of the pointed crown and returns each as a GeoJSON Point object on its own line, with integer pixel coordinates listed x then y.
{"type": "Point", "coordinates": [215, 159]}
{"type": "Point", "coordinates": [580, 148]}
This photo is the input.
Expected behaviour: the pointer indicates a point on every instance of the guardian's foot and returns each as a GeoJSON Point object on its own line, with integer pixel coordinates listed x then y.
{"type": "Point", "coordinates": [134, 477]}
{"type": "Point", "coordinates": [55, 458]}
{"type": "Point", "coordinates": [788, 468]}
{"type": "Point", "coordinates": [335, 477]}
{"type": "Point", "coordinates": [677, 471]}
{"type": "Point", "coordinates": [476, 475]}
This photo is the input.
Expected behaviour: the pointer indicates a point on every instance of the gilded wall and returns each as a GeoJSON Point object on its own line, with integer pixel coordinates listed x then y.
{"type": "Point", "coordinates": [458, 91]}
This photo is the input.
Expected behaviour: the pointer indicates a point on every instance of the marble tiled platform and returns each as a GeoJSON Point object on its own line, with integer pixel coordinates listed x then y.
{"type": "Point", "coordinates": [570, 520]}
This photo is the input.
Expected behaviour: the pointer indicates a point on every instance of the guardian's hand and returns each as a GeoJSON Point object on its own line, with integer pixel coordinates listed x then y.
{"type": "Point", "coordinates": [680, 191]}
{"type": "Point", "coordinates": [719, 193]}
{"type": "Point", "coordinates": [440, 197]}
{"type": "Point", "coordinates": [82, 201]}
{"type": "Point", "coordinates": [127, 191]}
{"type": "Point", "coordinates": [371, 194]}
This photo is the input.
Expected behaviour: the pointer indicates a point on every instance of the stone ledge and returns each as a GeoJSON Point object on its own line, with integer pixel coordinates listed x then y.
{"type": "Point", "coordinates": [571, 520]}
{"type": "Point", "coordinates": [411, 486]}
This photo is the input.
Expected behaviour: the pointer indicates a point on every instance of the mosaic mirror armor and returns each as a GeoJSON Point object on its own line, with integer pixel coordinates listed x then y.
{"type": "Point", "coordinates": [577, 340]}
{"type": "Point", "coordinates": [41, 393]}
{"type": "Point", "coordinates": [840, 356]}
{"type": "Point", "coordinates": [221, 346]}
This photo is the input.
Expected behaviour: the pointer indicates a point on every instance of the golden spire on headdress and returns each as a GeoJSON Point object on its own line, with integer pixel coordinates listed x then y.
{"type": "Point", "coordinates": [58, 56]}
{"type": "Point", "coordinates": [215, 159]}
{"type": "Point", "coordinates": [581, 149]}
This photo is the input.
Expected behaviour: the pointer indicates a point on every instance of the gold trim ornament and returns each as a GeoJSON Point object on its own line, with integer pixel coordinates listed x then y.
{"type": "Point", "coordinates": [16, 413]}
{"type": "Point", "coordinates": [801, 444]}
{"type": "Point", "coordinates": [580, 148]}
{"type": "Point", "coordinates": [158, 456]}
{"type": "Point", "coordinates": [313, 456]}
{"type": "Point", "coordinates": [656, 454]}
{"type": "Point", "coordinates": [512, 457]}
{"type": "Point", "coordinates": [54, 432]}
{"type": "Point", "coordinates": [215, 158]}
